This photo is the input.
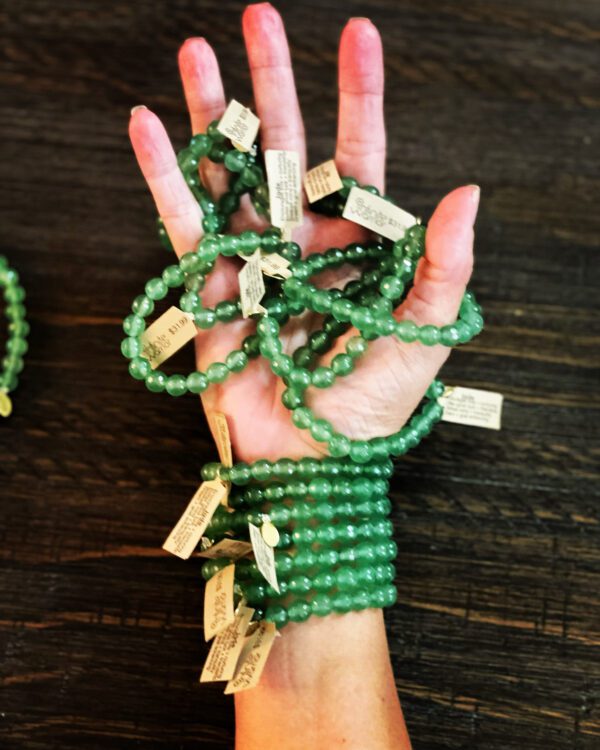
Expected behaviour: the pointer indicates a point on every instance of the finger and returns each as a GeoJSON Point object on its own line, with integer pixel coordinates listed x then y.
{"type": "Point", "coordinates": [205, 97]}
{"type": "Point", "coordinates": [445, 269]}
{"type": "Point", "coordinates": [175, 203]}
{"type": "Point", "coordinates": [361, 143]}
{"type": "Point", "coordinates": [273, 80]}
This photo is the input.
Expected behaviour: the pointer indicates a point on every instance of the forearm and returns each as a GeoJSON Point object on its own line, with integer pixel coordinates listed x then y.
{"type": "Point", "coordinates": [328, 683]}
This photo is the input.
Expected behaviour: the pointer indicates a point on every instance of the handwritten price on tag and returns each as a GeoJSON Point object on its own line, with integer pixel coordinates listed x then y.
{"type": "Point", "coordinates": [167, 335]}
{"type": "Point", "coordinates": [153, 349]}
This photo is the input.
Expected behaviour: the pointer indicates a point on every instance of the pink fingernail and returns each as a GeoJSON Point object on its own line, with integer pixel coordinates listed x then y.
{"type": "Point", "coordinates": [137, 108]}
{"type": "Point", "coordinates": [193, 41]}
{"type": "Point", "coordinates": [475, 193]}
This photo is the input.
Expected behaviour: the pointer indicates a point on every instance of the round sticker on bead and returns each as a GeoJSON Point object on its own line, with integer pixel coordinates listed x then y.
{"type": "Point", "coordinates": [269, 533]}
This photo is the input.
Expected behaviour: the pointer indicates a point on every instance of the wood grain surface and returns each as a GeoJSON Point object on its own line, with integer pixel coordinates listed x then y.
{"type": "Point", "coordinates": [496, 636]}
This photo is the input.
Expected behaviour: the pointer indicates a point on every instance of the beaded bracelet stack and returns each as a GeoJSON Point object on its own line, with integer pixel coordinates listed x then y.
{"type": "Point", "coordinates": [18, 328]}
{"type": "Point", "coordinates": [334, 549]}
{"type": "Point", "coordinates": [335, 545]}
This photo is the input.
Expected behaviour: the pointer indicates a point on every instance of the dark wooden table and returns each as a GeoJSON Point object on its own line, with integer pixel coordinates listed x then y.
{"type": "Point", "coordinates": [496, 635]}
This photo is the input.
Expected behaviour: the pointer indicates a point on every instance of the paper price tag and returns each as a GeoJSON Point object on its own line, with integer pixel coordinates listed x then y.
{"type": "Point", "coordinates": [322, 180]}
{"type": "Point", "coordinates": [167, 335]}
{"type": "Point", "coordinates": [185, 536]}
{"type": "Point", "coordinates": [226, 648]}
{"type": "Point", "coordinates": [231, 548]}
{"type": "Point", "coordinates": [285, 188]}
{"type": "Point", "coordinates": [377, 214]}
{"type": "Point", "coordinates": [221, 431]}
{"type": "Point", "coordinates": [286, 231]}
{"type": "Point", "coordinates": [274, 265]}
{"type": "Point", "coordinates": [218, 602]}
{"type": "Point", "coordinates": [252, 285]}
{"type": "Point", "coordinates": [253, 658]}
{"type": "Point", "coordinates": [471, 406]}
{"type": "Point", "coordinates": [240, 125]}
{"type": "Point", "coordinates": [265, 558]}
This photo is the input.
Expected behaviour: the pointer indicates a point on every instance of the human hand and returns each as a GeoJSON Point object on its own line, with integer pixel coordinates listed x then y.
{"type": "Point", "coordinates": [390, 380]}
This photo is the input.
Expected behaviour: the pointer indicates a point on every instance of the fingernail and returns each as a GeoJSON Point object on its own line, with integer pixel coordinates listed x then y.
{"type": "Point", "coordinates": [475, 193]}
{"type": "Point", "coordinates": [137, 108]}
{"type": "Point", "coordinates": [192, 41]}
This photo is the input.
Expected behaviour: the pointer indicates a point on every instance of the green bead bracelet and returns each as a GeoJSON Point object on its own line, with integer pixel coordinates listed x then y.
{"type": "Point", "coordinates": [380, 320]}
{"type": "Point", "coordinates": [246, 176]}
{"type": "Point", "coordinates": [199, 264]}
{"type": "Point", "coordinates": [286, 468]}
{"type": "Point", "coordinates": [18, 328]}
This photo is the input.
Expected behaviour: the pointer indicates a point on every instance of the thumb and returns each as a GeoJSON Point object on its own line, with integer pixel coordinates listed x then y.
{"type": "Point", "coordinates": [444, 271]}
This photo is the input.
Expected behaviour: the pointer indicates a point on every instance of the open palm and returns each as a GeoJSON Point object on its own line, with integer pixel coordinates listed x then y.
{"type": "Point", "coordinates": [390, 380]}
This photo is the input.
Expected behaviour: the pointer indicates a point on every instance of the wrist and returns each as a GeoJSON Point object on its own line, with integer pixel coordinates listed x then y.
{"type": "Point", "coordinates": [316, 652]}
{"type": "Point", "coordinates": [328, 683]}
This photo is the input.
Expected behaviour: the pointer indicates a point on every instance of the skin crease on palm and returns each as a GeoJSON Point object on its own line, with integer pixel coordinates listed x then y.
{"type": "Point", "coordinates": [389, 381]}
